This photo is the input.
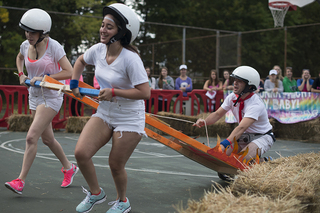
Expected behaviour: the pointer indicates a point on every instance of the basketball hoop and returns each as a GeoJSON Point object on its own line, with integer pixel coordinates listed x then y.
{"type": "Point", "coordinates": [279, 10]}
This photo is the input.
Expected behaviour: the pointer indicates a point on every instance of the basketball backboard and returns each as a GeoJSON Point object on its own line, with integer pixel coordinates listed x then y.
{"type": "Point", "coordinates": [299, 3]}
{"type": "Point", "coordinates": [279, 8]}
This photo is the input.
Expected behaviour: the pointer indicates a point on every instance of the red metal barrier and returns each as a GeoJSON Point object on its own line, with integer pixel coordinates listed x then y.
{"type": "Point", "coordinates": [175, 96]}
{"type": "Point", "coordinates": [206, 101]}
{"type": "Point", "coordinates": [8, 96]}
{"type": "Point", "coordinates": [14, 99]}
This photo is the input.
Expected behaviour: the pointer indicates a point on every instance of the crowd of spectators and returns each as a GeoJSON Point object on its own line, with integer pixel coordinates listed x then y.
{"type": "Point", "coordinates": [274, 82]}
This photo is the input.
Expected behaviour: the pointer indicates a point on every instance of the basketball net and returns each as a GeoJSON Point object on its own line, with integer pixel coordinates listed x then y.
{"type": "Point", "coordinates": [279, 10]}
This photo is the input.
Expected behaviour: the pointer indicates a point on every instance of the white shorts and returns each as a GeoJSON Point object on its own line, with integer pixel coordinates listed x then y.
{"type": "Point", "coordinates": [123, 116]}
{"type": "Point", "coordinates": [53, 103]}
{"type": "Point", "coordinates": [264, 142]}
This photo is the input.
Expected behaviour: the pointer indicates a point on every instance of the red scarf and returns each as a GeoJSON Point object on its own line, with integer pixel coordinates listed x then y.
{"type": "Point", "coordinates": [241, 102]}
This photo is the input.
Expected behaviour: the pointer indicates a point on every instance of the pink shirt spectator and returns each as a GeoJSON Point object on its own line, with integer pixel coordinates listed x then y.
{"type": "Point", "coordinates": [67, 82]}
{"type": "Point", "coordinates": [95, 83]}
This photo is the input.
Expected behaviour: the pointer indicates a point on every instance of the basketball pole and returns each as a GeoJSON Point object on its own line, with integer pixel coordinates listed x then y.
{"type": "Point", "coordinates": [285, 47]}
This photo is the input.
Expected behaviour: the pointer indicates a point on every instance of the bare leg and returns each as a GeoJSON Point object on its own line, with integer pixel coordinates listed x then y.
{"type": "Point", "coordinates": [122, 148]}
{"type": "Point", "coordinates": [49, 140]}
{"type": "Point", "coordinates": [94, 135]}
{"type": "Point", "coordinates": [42, 118]}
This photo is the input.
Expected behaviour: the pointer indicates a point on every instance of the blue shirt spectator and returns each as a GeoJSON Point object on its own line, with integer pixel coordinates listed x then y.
{"type": "Point", "coordinates": [183, 82]}
{"type": "Point", "coordinates": [305, 83]}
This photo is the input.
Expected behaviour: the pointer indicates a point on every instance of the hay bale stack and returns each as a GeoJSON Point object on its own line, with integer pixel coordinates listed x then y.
{"type": "Point", "coordinates": [19, 122]}
{"type": "Point", "coordinates": [287, 177]}
{"type": "Point", "coordinates": [222, 200]}
{"type": "Point", "coordinates": [75, 124]}
{"type": "Point", "coordinates": [307, 130]}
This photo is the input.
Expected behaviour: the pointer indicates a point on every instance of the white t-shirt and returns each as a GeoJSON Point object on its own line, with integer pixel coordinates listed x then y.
{"type": "Point", "coordinates": [47, 64]}
{"type": "Point", "coordinates": [253, 108]}
{"type": "Point", "coordinates": [125, 72]}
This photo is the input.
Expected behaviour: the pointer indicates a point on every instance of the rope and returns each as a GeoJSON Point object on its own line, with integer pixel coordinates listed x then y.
{"type": "Point", "coordinates": [45, 102]}
{"type": "Point", "coordinates": [63, 88]}
{"type": "Point", "coordinates": [205, 124]}
{"type": "Point", "coordinates": [178, 119]}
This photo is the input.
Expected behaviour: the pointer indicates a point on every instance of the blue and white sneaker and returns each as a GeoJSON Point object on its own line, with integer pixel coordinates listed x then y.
{"type": "Point", "coordinates": [267, 159]}
{"type": "Point", "coordinates": [119, 207]}
{"type": "Point", "coordinates": [87, 204]}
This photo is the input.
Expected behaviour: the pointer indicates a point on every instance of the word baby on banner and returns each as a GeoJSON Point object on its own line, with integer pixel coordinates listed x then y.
{"type": "Point", "coordinates": [287, 107]}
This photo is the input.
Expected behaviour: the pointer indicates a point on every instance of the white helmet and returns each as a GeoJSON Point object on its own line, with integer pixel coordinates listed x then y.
{"type": "Point", "coordinates": [36, 20]}
{"type": "Point", "coordinates": [129, 22]}
{"type": "Point", "coordinates": [248, 75]}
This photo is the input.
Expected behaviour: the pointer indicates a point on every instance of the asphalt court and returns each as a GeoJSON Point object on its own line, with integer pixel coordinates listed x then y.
{"type": "Point", "coordinates": [158, 177]}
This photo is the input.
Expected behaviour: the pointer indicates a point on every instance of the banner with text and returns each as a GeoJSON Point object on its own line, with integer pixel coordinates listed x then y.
{"type": "Point", "coordinates": [287, 107]}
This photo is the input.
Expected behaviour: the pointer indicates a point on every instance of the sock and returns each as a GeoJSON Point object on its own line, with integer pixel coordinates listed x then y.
{"type": "Point", "coordinates": [97, 194]}
{"type": "Point", "coordinates": [124, 200]}
{"type": "Point", "coordinates": [69, 168]}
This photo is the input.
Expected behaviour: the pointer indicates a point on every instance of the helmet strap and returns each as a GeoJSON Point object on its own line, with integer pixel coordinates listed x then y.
{"type": "Point", "coordinates": [35, 46]}
{"type": "Point", "coordinates": [235, 103]}
{"type": "Point", "coordinates": [244, 91]}
{"type": "Point", "coordinates": [118, 36]}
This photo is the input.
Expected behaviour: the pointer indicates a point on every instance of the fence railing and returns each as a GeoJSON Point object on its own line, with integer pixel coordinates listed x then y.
{"type": "Point", "coordinates": [14, 100]}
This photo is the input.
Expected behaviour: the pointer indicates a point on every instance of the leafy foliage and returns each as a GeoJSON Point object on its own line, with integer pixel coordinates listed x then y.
{"type": "Point", "coordinates": [161, 44]}
{"type": "Point", "coordinates": [261, 50]}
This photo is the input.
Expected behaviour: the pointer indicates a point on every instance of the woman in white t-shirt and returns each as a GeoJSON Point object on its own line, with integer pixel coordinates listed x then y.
{"type": "Point", "coordinates": [42, 56]}
{"type": "Point", "coordinates": [121, 113]}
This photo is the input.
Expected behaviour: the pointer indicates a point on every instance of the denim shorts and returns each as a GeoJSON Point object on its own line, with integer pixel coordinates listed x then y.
{"type": "Point", "coordinates": [123, 115]}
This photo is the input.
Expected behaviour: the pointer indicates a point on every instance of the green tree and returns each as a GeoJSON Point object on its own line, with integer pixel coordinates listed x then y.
{"type": "Point", "coordinates": [75, 32]}
{"type": "Point", "coordinates": [261, 50]}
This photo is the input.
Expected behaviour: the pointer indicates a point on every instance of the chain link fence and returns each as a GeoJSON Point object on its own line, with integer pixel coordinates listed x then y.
{"type": "Point", "coordinates": [205, 49]}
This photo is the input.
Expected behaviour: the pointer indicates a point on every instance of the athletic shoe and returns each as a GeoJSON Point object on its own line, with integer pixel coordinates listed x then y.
{"type": "Point", "coordinates": [226, 177]}
{"type": "Point", "coordinates": [269, 158]}
{"type": "Point", "coordinates": [68, 175]}
{"type": "Point", "coordinates": [119, 207]}
{"type": "Point", "coordinates": [87, 204]}
{"type": "Point", "coordinates": [15, 185]}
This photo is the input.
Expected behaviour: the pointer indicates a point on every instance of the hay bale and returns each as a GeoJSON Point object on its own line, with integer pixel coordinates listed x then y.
{"type": "Point", "coordinates": [305, 131]}
{"type": "Point", "coordinates": [287, 177]}
{"type": "Point", "coordinates": [222, 200]}
{"type": "Point", "coordinates": [75, 124]}
{"type": "Point", "coordinates": [19, 122]}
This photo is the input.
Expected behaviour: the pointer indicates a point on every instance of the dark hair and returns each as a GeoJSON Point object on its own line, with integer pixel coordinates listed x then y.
{"type": "Point", "coordinates": [230, 83]}
{"type": "Point", "coordinates": [150, 71]}
{"type": "Point", "coordinates": [160, 83]}
{"type": "Point", "coordinates": [124, 40]}
{"type": "Point", "coordinates": [216, 81]}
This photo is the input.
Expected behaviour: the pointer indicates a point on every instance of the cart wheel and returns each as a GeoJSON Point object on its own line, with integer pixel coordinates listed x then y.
{"type": "Point", "coordinates": [225, 177]}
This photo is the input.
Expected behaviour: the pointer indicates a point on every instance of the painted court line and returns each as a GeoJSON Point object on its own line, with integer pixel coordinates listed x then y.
{"type": "Point", "coordinates": [9, 145]}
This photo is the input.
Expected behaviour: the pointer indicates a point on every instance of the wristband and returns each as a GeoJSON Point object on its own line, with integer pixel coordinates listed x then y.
{"type": "Point", "coordinates": [47, 74]}
{"type": "Point", "coordinates": [74, 84]}
{"type": "Point", "coordinates": [113, 94]}
{"type": "Point", "coordinates": [20, 74]}
{"type": "Point", "coordinates": [225, 143]}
